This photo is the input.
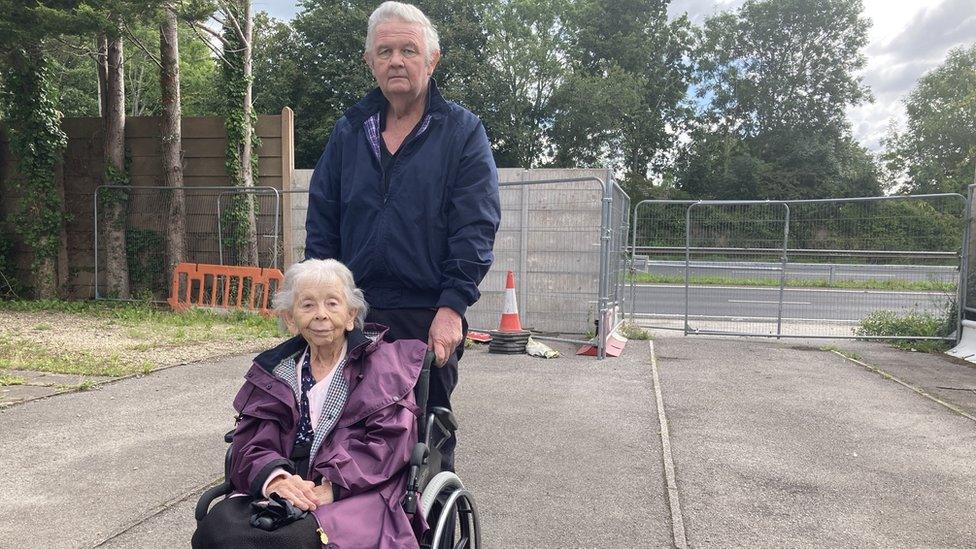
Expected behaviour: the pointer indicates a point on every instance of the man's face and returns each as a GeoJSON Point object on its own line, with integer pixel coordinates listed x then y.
{"type": "Point", "coordinates": [398, 60]}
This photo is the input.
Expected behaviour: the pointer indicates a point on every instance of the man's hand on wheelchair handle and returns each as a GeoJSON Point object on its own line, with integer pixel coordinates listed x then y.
{"type": "Point", "coordinates": [303, 494]}
{"type": "Point", "coordinates": [445, 335]}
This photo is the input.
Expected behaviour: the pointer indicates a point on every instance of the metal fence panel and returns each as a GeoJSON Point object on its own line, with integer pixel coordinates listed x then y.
{"type": "Point", "coordinates": [554, 236]}
{"type": "Point", "coordinates": [843, 261]}
{"type": "Point", "coordinates": [550, 236]}
{"type": "Point", "coordinates": [208, 236]}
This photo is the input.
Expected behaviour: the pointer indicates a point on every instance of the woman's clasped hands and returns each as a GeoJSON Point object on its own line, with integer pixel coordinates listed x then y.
{"type": "Point", "coordinates": [304, 494]}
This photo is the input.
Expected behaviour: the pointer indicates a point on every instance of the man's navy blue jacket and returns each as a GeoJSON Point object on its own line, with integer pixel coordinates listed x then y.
{"type": "Point", "coordinates": [427, 240]}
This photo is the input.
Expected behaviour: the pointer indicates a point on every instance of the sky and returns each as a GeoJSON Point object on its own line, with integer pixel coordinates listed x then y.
{"type": "Point", "coordinates": [907, 38]}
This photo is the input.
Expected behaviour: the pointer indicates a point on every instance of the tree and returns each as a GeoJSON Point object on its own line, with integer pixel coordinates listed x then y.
{"type": "Point", "coordinates": [937, 151]}
{"type": "Point", "coordinates": [773, 81]}
{"type": "Point", "coordinates": [29, 101]}
{"type": "Point", "coordinates": [171, 137]}
{"type": "Point", "coordinates": [278, 76]}
{"type": "Point", "coordinates": [37, 143]}
{"type": "Point", "coordinates": [114, 200]}
{"type": "Point", "coordinates": [783, 64]}
{"type": "Point", "coordinates": [622, 103]}
{"type": "Point", "coordinates": [330, 39]}
{"type": "Point", "coordinates": [239, 120]}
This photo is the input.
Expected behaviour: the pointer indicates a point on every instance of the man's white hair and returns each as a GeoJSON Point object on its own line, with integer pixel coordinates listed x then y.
{"type": "Point", "coordinates": [404, 13]}
{"type": "Point", "coordinates": [320, 271]}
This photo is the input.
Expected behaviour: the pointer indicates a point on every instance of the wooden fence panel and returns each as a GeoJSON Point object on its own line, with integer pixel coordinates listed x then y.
{"type": "Point", "coordinates": [204, 145]}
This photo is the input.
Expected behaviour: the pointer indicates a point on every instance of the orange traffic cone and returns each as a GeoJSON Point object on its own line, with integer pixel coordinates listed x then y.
{"type": "Point", "coordinates": [510, 338]}
{"type": "Point", "coordinates": [510, 318]}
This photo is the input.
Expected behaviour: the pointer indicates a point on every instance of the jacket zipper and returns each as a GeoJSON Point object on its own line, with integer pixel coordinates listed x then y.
{"type": "Point", "coordinates": [396, 160]}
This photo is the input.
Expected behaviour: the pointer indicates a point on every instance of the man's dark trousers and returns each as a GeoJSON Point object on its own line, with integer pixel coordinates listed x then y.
{"type": "Point", "coordinates": [415, 324]}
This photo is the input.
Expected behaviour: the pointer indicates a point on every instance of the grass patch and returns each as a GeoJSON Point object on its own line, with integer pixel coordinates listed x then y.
{"type": "Point", "coordinates": [151, 326]}
{"type": "Point", "coordinates": [149, 322]}
{"type": "Point", "coordinates": [867, 284]}
{"type": "Point", "coordinates": [631, 330]}
{"type": "Point", "coordinates": [25, 355]}
{"type": "Point", "coordinates": [7, 380]}
{"type": "Point", "coordinates": [913, 323]}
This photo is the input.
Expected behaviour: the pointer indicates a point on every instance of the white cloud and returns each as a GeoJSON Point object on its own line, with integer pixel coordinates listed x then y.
{"type": "Point", "coordinates": [908, 39]}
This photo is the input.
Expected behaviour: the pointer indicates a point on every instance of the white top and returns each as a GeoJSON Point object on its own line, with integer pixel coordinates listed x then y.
{"type": "Point", "coordinates": [319, 391]}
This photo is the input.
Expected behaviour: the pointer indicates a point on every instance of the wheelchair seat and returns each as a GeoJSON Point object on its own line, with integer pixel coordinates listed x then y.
{"type": "Point", "coordinates": [448, 508]}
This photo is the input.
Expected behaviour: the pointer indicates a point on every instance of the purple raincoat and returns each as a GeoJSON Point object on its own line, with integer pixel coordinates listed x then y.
{"type": "Point", "coordinates": [364, 456]}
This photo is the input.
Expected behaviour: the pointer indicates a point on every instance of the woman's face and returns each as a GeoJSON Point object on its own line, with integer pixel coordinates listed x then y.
{"type": "Point", "coordinates": [321, 313]}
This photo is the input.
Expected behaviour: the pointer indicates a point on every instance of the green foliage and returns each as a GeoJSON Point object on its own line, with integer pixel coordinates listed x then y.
{"type": "Point", "coordinates": [631, 330]}
{"type": "Point", "coordinates": [233, 88]}
{"type": "Point", "coordinates": [773, 80]}
{"type": "Point", "coordinates": [198, 74]}
{"type": "Point", "coordinates": [37, 142]}
{"type": "Point", "coordinates": [912, 323]}
{"type": "Point", "coordinates": [7, 380]}
{"type": "Point", "coordinates": [145, 252]}
{"type": "Point", "coordinates": [10, 285]}
{"type": "Point", "coordinates": [783, 65]}
{"type": "Point", "coordinates": [333, 76]}
{"type": "Point", "coordinates": [937, 150]}
{"type": "Point", "coordinates": [239, 122]}
{"type": "Point", "coordinates": [621, 103]}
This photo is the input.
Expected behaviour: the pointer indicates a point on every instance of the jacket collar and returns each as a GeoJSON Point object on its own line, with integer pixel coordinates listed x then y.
{"type": "Point", "coordinates": [375, 101]}
{"type": "Point", "coordinates": [359, 343]}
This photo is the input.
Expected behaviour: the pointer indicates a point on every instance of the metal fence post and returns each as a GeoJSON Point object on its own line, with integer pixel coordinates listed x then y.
{"type": "Point", "coordinates": [633, 272]}
{"type": "Point", "coordinates": [95, 281]}
{"type": "Point", "coordinates": [782, 275]}
{"type": "Point", "coordinates": [523, 285]}
{"type": "Point", "coordinates": [688, 261]}
{"type": "Point", "coordinates": [605, 236]}
{"type": "Point", "coordinates": [963, 289]}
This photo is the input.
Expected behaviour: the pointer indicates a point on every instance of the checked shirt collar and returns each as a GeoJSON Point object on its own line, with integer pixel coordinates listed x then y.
{"type": "Point", "coordinates": [335, 399]}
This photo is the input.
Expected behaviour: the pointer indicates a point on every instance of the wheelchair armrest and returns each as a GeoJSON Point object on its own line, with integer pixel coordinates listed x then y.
{"type": "Point", "coordinates": [445, 417]}
{"type": "Point", "coordinates": [203, 505]}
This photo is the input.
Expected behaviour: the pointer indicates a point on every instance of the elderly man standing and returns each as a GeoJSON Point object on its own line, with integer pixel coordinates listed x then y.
{"type": "Point", "coordinates": [406, 195]}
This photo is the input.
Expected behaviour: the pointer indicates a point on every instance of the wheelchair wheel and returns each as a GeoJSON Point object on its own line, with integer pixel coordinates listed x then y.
{"type": "Point", "coordinates": [451, 513]}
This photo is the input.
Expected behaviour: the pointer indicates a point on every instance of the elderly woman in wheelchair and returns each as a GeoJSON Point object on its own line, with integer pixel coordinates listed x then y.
{"type": "Point", "coordinates": [333, 446]}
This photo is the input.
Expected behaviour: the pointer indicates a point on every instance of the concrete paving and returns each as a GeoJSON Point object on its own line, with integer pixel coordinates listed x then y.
{"type": "Point", "coordinates": [80, 467]}
{"type": "Point", "coordinates": [40, 385]}
{"type": "Point", "coordinates": [775, 444]}
{"type": "Point", "coordinates": [784, 445]}
{"type": "Point", "coordinates": [534, 450]}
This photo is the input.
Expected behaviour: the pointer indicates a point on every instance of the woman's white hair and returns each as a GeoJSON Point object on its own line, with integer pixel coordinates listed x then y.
{"type": "Point", "coordinates": [405, 13]}
{"type": "Point", "coordinates": [320, 271]}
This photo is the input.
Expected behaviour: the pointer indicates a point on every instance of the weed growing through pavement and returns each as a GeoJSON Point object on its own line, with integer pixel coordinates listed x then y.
{"type": "Point", "coordinates": [7, 380]}
{"type": "Point", "coordinates": [849, 354]}
{"type": "Point", "coordinates": [631, 330]}
{"type": "Point", "coordinates": [912, 323]}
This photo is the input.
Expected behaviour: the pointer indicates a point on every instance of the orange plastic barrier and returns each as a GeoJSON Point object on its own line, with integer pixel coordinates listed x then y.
{"type": "Point", "coordinates": [223, 287]}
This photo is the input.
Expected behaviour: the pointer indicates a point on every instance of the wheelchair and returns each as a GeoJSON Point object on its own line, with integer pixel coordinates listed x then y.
{"type": "Point", "coordinates": [447, 506]}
